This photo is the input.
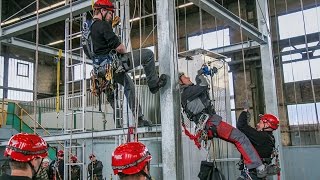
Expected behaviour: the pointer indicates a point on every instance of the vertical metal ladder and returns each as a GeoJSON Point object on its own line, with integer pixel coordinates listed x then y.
{"type": "Point", "coordinates": [74, 95]}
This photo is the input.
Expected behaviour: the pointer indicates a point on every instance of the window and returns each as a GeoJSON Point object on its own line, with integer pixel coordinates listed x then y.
{"type": "Point", "coordinates": [211, 40]}
{"type": "Point", "coordinates": [303, 114]}
{"type": "Point", "coordinates": [1, 71]}
{"type": "Point", "coordinates": [300, 71]}
{"type": "Point", "coordinates": [22, 69]}
{"type": "Point", "coordinates": [20, 74]}
{"type": "Point", "coordinates": [151, 48]}
{"type": "Point", "coordinates": [289, 28]}
{"type": "Point", "coordinates": [20, 95]}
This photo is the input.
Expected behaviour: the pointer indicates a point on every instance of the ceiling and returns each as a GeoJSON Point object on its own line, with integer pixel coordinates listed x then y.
{"type": "Point", "coordinates": [55, 32]}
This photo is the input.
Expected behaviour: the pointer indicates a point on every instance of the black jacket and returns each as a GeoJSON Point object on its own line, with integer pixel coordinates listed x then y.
{"type": "Point", "coordinates": [195, 100]}
{"type": "Point", "coordinates": [97, 168]}
{"type": "Point", "coordinates": [8, 177]}
{"type": "Point", "coordinates": [75, 172]}
{"type": "Point", "coordinates": [56, 165]}
{"type": "Point", "coordinates": [103, 37]}
{"type": "Point", "coordinates": [263, 141]}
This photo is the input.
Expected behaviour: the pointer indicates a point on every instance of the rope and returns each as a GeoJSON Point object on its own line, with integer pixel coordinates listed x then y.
{"type": "Point", "coordinates": [192, 137]}
{"type": "Point", "coordinates": [308, 56]}
{"type": "Point", "coordinates": [242, 53]}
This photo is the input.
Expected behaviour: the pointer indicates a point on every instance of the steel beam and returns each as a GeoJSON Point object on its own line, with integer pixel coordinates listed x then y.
{"type": "Point", "coordinates": [169, 95]}
{"type": "Point", "coordinates": [45, 19]}
{"type": "Point", "coordinates": [269, 83]}
{"type": "Point", "coordinates": [215, 9]}
{"type": "Point", "coordinates": [42, 48]}
{"type": "Point", "coordinates": [232, 48]}
{"type": "Point", "coordinates": [89, 135]}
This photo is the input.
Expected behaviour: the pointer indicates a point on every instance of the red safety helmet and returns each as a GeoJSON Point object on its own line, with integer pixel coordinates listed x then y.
{"type": "Point", "coordinates": [24, 147]}
{"type": "Point", "coordinates": [130, 158]}
{"type": "Point", "coordinates": [60, 153]}
{"type": "Point", "coordinates": [105, 4]}
{"type": "Point", "coordinates": [74, 158]}
{"type": "Point", "coordinates": [271, 120]}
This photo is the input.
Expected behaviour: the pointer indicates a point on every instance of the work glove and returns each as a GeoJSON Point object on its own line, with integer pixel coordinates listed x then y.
{"type": "Point", "coordinates": [246, 105]}
{"type": "Point", "coordinates": [115, 21]}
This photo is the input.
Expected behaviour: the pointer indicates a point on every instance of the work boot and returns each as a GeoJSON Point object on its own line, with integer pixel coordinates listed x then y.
{"type": "Point", "coordinates": [273, 169]}
{"type": "Point", "coordinates": [161, 82]}
{"type": "Point", "coordinates": [143, 122]}
{"type": "Point", "coordinates": [267, 171]}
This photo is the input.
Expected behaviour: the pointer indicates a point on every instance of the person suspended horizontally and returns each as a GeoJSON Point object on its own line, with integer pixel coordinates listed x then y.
{"type": "Point", "coordinates": [197, 106]}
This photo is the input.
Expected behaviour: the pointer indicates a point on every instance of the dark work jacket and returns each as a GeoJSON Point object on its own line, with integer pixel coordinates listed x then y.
{"type": "Point", "coordinates": [75, 172]}
{"type": "Point", "coordinates": [60, 167]}
{"type": "Point", "coordinates": [97, 168]}
{"type": "Point", "coordinates": [103, 37]}
{"type": "Point", "coordinates": [8, 177]}
{"type": "Point", "coordinates": [195, 100]}
{"type": "Point", "coordinates": [263, 141]}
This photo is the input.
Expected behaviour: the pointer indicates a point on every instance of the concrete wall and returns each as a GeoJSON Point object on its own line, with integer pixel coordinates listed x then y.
{"type": "Point", "coordinates": [302, 162]}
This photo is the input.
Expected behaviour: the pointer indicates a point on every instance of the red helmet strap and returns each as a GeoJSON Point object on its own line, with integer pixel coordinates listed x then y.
{"type": "Point", "coordinates": [132, 164]}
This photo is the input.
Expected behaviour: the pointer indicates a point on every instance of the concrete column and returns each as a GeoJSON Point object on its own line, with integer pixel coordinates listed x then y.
{"type": "Point", "coordinates": [169, 95]}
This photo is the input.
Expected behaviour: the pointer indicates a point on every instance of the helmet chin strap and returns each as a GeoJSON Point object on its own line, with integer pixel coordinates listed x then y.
{"type": "Point", "coordinates": [34, 172]}
{"type": "Point", "coordinates": [145, 174]}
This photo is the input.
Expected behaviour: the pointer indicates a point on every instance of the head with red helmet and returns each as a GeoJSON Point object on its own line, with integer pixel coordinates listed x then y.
{"type": "Point", "coordinates": [268, 122]}
{"type": "Point", "coordinates": [103, 10]}
{"type": "Point", "coordinates": [131, 159]}
{"type": "Point", "coordinates": [26, 152]}
{"type": "Point", "coordinates": [60, 154]}
{"type": "Point", "coordinates": [73, 159]}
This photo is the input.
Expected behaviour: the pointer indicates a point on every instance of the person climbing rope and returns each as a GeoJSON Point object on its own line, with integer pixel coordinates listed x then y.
{"type": "Point", "coordinates": [131, 161]}
{"type": "Point", "coordinates": [197, 106]}
{"type": "Point", "coordinates": [261, 138]}
{"type": "Point", "coordinates": [106, 45]}
{"type": "Point", "coordinates": [26, 153]}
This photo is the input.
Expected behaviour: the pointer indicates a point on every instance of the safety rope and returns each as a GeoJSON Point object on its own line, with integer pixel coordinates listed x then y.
{"type": "Point", "coordinates": [242, 53]}
{"type": "Point", "coordinates": [35, 82]}
{"type": "Point", "coordinates": [309, 63]}
{"type": "Point", "coordinates": [193, 137]}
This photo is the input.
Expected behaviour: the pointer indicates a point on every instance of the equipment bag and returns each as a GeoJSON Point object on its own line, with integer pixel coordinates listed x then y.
{"type": "Point", "coordinates": [209, 171]}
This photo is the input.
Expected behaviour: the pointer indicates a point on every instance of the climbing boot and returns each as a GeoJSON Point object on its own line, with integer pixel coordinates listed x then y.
{"type": "Point", "coordinates": [161, 82]}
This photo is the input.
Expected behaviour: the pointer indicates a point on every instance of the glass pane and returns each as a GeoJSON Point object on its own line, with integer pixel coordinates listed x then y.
{"type": "Point", "coordinates": [289, 28]}
{"type": "Point", "coordinates": [20, 95]}
{"type": "Point", "coordinates": [210, 40]}
{"type": "Point", "coordinates": [296, 71]}
{"type": "Point", "coordinates": [1, 71]}
{"type": "Point", "coordinates": [302, 114]}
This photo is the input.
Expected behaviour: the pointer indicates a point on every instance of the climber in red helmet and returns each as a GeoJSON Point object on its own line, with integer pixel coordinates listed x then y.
{"type": "Point", "coordinates": [131, 161]}
{"type": "Point", "coordinates": [105, 42]}
{"type": "Point", "coordinates": [260, 137]}
{"type": "Point", "coordinates": [26, 152]}
{"type": "Point", "coordinates": [75, 171]}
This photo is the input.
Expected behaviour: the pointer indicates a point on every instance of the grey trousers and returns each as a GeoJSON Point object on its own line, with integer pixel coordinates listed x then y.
{"type": "Point", "coordinates": [148, 64]}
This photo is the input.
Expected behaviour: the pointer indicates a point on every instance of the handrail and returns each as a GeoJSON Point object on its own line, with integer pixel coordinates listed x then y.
{"type": "Point", "coordinates": [20, 117]}
{"type": "Point", "coordinates": [3, 115]}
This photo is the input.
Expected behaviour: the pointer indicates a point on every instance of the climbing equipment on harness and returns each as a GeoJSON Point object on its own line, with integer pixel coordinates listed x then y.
{"type": "Point", "coordinates": [203, 130]}
{"type": "Point", "coordinates": [102, 73]}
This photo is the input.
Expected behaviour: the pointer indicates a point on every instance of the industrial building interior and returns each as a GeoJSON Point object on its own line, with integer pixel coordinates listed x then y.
{"type": "Point", "coordinates": [267, 53]}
